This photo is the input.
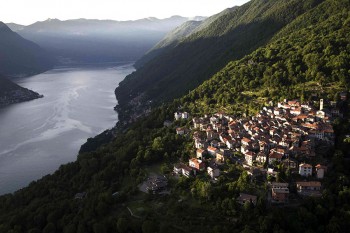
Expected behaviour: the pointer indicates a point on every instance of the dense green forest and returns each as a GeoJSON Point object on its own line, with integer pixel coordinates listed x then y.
{"type": "Point", "coordinates": [308, 58]}
{"type": "Point", "coordinates": [312, 59]}
{"type": "Point", "coordinates": [230, 36]}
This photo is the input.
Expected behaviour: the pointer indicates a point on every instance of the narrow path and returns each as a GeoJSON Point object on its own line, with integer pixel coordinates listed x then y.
{"type": "Point", "coordinates": [132, 214]}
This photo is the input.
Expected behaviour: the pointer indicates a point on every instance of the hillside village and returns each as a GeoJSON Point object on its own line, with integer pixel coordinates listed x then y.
{"type": "Point", "coordinates": [288, 138]}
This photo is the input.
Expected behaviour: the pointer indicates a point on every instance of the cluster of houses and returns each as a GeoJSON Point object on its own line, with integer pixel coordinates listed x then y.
{"type": "Point", "coordinates": [275, 134]}
{"type": "Point", "coordinates": [283, 134]}
{"type": "Point", "coordinates": [280, 192]}
{"type": "Point", "coordinates": [196, 165]}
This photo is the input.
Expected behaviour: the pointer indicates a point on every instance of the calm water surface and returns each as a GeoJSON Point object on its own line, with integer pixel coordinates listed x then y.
{"type": "Point", "coordinates": [36, 137]}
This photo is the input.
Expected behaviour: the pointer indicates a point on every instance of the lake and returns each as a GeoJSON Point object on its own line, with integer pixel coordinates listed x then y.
{"type": "Point", "coordinates": [36, 137]}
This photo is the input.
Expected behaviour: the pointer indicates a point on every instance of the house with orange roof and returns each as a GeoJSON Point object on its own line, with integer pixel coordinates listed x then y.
{"type": "Point", "coordinates": [305, 169]}
{"type": "Point", "coordinates": [320, 171]}
{"type": "Point", "coordinates": [183, 169]}
{"type": "Point", "coordinates": [250, 157]}
{"type": "Point", "coordinates": [273, 156]}
{"type": "Point", "coordinates": [213, 172]}
{"type": "Point", "coordinates": [309, 188]}
{"type": "Point", "coordinates": [245, 141]}
{"type": "Point", "coordinates": [212, 150]}
{"type": "Point", "coordinates": [200, 153]}
{"type": "Point", "coordinates": [290, 163]}
{"type": "Point", "coordinates": [296, 111]}
{"type": "Point", "coordinates": [220, 157]}
{"type": "Point", "coordinates": [196, 164]}
{"type": "Point", "coordinates": [294, 103]}
{"type": "Point", "coordinates": [180, 131]}
{"type": "Point", "coordinates": [280, 195]}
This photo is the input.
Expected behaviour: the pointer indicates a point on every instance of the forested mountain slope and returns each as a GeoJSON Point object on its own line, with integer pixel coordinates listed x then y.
{"type": "Point", "coordinates": [229, 37]}
{"type": "Point", "coordinates": [11, 93]}
{"type": "Point", "coordinates": [309, 57]}
{"type": "Point", "coordinates": [20, 57]}
{"type": "Point", "coordinates": [169, 41]}
{"type": "Point", "coordinates": [176, 36]}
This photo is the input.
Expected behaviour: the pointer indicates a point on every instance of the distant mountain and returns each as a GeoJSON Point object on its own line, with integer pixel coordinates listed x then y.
{"type": "Point", "coordinates": [85, 40]}
{"type": "Point", "coordinates": [227, 36]}
{"type": "Point", "coordinates": [20, 57]}
{"type": "Point", "coordinates": [169, 41]}
{"type": "Point", "coordinates": [15, 27]}
{"type": "Point", "coordinates": [11, 93]}
{"type": "Point", "coordinates": [179, 34]}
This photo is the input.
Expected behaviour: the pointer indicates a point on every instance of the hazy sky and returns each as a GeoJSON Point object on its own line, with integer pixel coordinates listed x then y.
{"type": "Point", "coordinates": [29, 11]}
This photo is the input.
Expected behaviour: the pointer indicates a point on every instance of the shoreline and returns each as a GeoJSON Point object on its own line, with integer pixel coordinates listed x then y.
{"type": "Point", "coordinates": [109, 129]}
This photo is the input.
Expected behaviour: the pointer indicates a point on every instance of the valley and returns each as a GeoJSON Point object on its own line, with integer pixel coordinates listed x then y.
{"type": "Point", "coordinates": [237, 123]}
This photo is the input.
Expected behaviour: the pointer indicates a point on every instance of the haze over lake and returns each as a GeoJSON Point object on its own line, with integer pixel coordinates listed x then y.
{"type": "Point", "coordinates": [36, 137]}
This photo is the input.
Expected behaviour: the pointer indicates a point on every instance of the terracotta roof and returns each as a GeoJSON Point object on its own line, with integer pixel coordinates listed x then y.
{"type": "Point", "coordinates": [246, 140]}
{"type": "Point", "coordinates": [196, 161]}
{"type": "Point", "coordinates": [305, 165]}
{"type": "Point", "coordinates": [200, 150]}
{"type": "Point", "coordinates": [279, 184]}
{"type": "Point", "coordinates": [183, 166]}
{"type": "Point", "coordinates": [275, 155]}
{"type": "Point", "coordinates": [309, 184]}
{"type": "Point", "coordinates": [281, 150]}
{"type": "Point", "coordinates": [319, 166]}
{"type": "Point", "coordinates": [329, 131]}
{"type": "Point", "coordinates": [310, 126]}
{"type": "Point", "coordinates": [280, 190]}
{"type": "Point", "coordinates": [250, 153]}
{"type": "Point", "coordinates": [296, 109]}
{"type": "Point", "coordinates": [293, 103]}
{"type": "Point", "coordinates": [302, 116]}
{"type": "Point", "coordinates": [211, 148]}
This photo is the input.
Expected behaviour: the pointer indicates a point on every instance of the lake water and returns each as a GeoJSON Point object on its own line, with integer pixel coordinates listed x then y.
{"type": "Point", "coordinates": [36, 137]}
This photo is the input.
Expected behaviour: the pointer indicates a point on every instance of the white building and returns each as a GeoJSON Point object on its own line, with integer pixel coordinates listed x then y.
{"type": "Point", "coordinates": [180, 131]}
{"type": "Point", "coordinates": [185, 115]}
{"type": "Point", "coordinates": [250, 157]}
{"type": "Point", "coordinates": [305, 169]}
{"type": "Point", "coordinates": [261, 158]}
{"type": "Point", "coordinates": [177, 115]}
{"type": "Point", "coordinates": [213, 172]}
{"type": "Point", "coordinates": [320, 171]}
{"type": "Point", "coordinates": [181, 115]}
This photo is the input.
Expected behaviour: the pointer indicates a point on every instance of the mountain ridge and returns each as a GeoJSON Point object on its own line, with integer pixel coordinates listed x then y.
{"type": "Point", "coordinates": [20, 57]}
{"type": "Point", "coordinates": [311, 60]}
{"type": "Point", "coordinates": [230, 36]}
{"type": "Point", "coordinates": [175, 36]}
{"type": "Point", "coordinates": [89, 40]}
